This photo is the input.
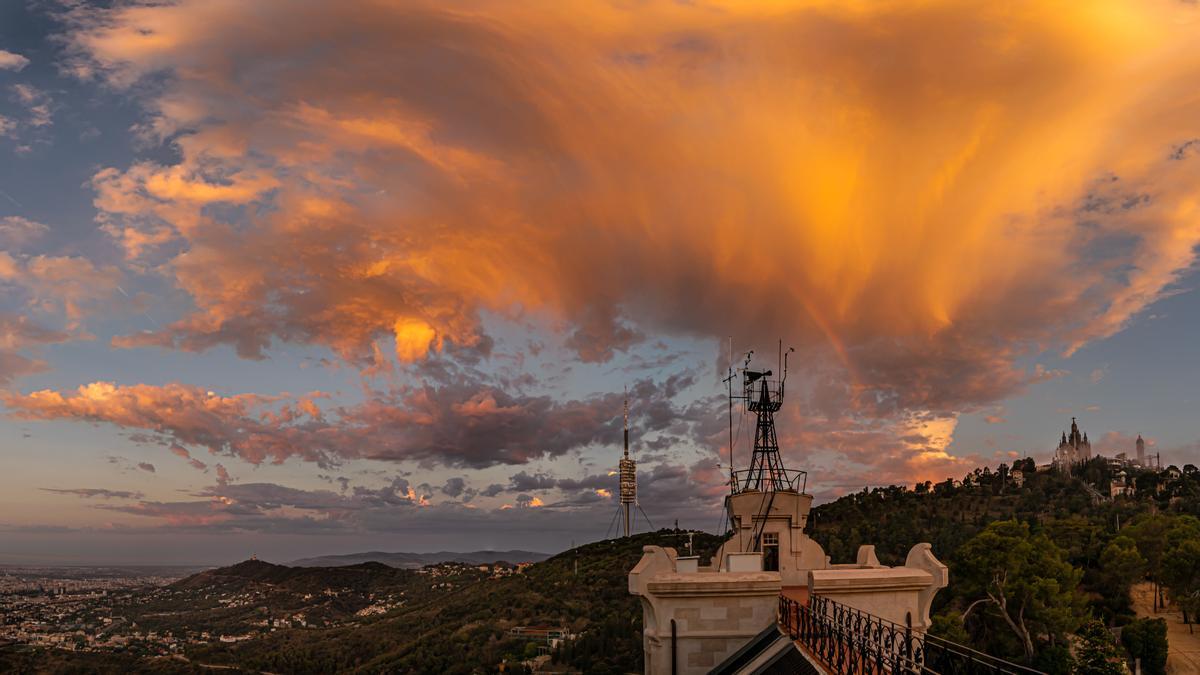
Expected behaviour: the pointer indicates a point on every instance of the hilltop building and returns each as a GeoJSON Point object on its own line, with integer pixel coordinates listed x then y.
{"type": "Point", "coordinates": [743, 613]}
{"type": "Point", "coordinates": [1121, 485]}
{"type": "Point", "coordinates": [1073, 450]}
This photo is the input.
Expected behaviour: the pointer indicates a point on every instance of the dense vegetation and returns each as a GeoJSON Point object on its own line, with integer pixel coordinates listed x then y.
{"type": "Point", "coordinates": [467, 631]}
{"type": "Point", "coordinates": [1031, 567]}
{"type": "Point", "coordinates": [19, 660]}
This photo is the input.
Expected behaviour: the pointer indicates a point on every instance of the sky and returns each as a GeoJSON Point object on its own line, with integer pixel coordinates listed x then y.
{"type": "Point", "coordinates": [290, 278]}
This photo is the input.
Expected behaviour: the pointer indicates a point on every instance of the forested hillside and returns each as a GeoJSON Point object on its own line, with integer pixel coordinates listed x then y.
{"type": "Point", "coordinates": [1056, 550]}
{"type": "Point", "coordinates": [467, 631]}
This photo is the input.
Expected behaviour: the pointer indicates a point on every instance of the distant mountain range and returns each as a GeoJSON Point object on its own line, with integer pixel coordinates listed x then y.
{"type": "Point", "coordinates": [417, 560]}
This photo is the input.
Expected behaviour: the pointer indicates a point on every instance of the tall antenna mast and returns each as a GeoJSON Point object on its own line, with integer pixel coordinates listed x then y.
{"type": "Point", "coordinates": [626, 422]}
{"type": "Point", "coordinates": [628, 477]}
{"type": "Point", "coordinates": [763, 396]}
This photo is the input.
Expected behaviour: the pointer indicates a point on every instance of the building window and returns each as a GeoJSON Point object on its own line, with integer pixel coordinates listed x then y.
{"type": "Point", "coordinates": [770, 546]}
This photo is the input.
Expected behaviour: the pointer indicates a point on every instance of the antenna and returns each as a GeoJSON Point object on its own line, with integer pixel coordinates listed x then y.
{"type": "Point", "coordinates": [762, 394]}
{"type": "Point", "coordinates": [729, 381]}
{"type": "Point", "coordinates": [626, 421]}
{"type": "Point", "coordinates": [627, 469]}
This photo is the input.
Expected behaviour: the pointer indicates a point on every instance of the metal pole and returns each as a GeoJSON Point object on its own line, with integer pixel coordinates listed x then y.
{"type": "Point", "coordinates": [674, 670]}
{"type": "Point", "coordinates": [729, 380]}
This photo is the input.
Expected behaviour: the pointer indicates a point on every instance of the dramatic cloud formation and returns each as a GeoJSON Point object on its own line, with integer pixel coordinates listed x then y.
{"type": "Point", "coordinates": [472, 203]}
{"type": "Point", "coordinates": [891, 183]}
{"type": "Point", "coordinates": [461, 422]}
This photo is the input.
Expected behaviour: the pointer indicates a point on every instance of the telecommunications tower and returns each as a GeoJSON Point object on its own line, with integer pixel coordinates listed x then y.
{"type": "Point", "coordinates": [627, 499]}
{"type": "Point", "coordinates": [628, 474]}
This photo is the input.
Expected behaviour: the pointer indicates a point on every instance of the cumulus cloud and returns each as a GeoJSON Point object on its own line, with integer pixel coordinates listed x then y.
{"type": "Point", "coordinates": [17, 333]}
{"type": "Point", "coordinates": [919, 195]}
{"type": "Point", "coordinates": [11, 61]}
{"type": "Point", "coordinates": [461, 422]}
{"type": "Point", "coordinates": [454, 487]}
{"type": "Point", "coordinates": [36, 117]}
{"type": "Point", "coordinates": [16, 231]}
{"type": "Point", "coordinates": [50, 287]}
{"type": "Point", "coordinates": [68, 286]}
{"type": "Point", "coordinates": [36, 103]}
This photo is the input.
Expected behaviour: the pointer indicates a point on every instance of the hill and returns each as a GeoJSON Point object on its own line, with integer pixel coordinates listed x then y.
{"type": "Point", "coordinates": [1099, 546]}
{"type": "Point", "coordinates": [360, 577]}
{"type": "Point", "coordinates": [467, 629]}
{"type": "Point", "coordinates": [455, 618]}
{"type": "Point", "coordinates": [372, 618]}
{"type": "Point", "coordinates": [417, 560]}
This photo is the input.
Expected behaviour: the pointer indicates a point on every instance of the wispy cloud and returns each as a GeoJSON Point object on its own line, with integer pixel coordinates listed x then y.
{"type": "Point", "coordinates": [11, 61]}
{"type": "Point", "coordinates": [92, 493]}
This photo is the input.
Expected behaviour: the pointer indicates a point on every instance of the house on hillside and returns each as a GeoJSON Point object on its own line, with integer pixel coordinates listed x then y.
{"type": "Point", "coordinates": [1120, 485]}
{"type": "Point", "coordinates": [551, 636]}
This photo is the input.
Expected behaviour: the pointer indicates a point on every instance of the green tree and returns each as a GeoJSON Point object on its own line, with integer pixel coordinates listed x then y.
{"type": "Point", "coordinates": [1025, 579]}
{"type": "Point", "coordinates": [949, 626]}
{"type": "Point", "coordinates": [1150, 533]}
{"type": "Point", "coordinates": [1055, 660]}
{"type": "Point", "coordinates": [1146, 639]}
{"type": "Point", "coordinates": [1121, 566]}
{"type": "Point", "coordinates": [1079, 537]}
{"type": "Point", "coordinates": [1181, 574]}
{"type": "Point", "coordinates": [1098, 653]}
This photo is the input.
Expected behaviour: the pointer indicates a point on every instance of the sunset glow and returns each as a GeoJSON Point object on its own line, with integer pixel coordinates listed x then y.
{"type": "Point", "coordinates": [297, 271]}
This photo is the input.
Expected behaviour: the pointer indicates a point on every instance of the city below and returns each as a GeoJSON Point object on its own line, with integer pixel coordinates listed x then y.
{"type": "Point", "coordinates": [163, 612]}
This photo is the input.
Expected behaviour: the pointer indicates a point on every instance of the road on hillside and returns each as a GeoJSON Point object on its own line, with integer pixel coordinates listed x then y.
{"type": "Point", "coordinates": [1183, 647]}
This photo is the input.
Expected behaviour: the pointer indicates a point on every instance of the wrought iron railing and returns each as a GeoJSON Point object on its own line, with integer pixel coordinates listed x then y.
{"type": "Point", "coordinates": [851, 642]}
{"type": "Point", "coordinates": [784, 479]}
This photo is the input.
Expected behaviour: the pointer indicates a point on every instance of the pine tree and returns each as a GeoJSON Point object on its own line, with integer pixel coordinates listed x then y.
{"type": "Point", "coordinates": [1098, 653]}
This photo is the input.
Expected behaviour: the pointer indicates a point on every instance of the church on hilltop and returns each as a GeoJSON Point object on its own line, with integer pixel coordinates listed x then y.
{"type": "Point", "coordinates": [1073, 449]}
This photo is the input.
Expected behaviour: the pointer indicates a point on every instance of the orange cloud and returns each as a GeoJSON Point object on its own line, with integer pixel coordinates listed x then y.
{"type": "Point", "coordinates": [920, 194]}
{"type": "Point", "coordinates": [928, 191]}
{"type": "Point", "coordinates": [460, 422]}
{"type": "Point", "coordinates": [17, 333]}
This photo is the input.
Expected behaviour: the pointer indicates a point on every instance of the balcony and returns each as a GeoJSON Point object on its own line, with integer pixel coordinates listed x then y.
{"type": "Point", "coordinates": [844, 640]}
{"type": "Point", "coordinates": [778, 480]}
